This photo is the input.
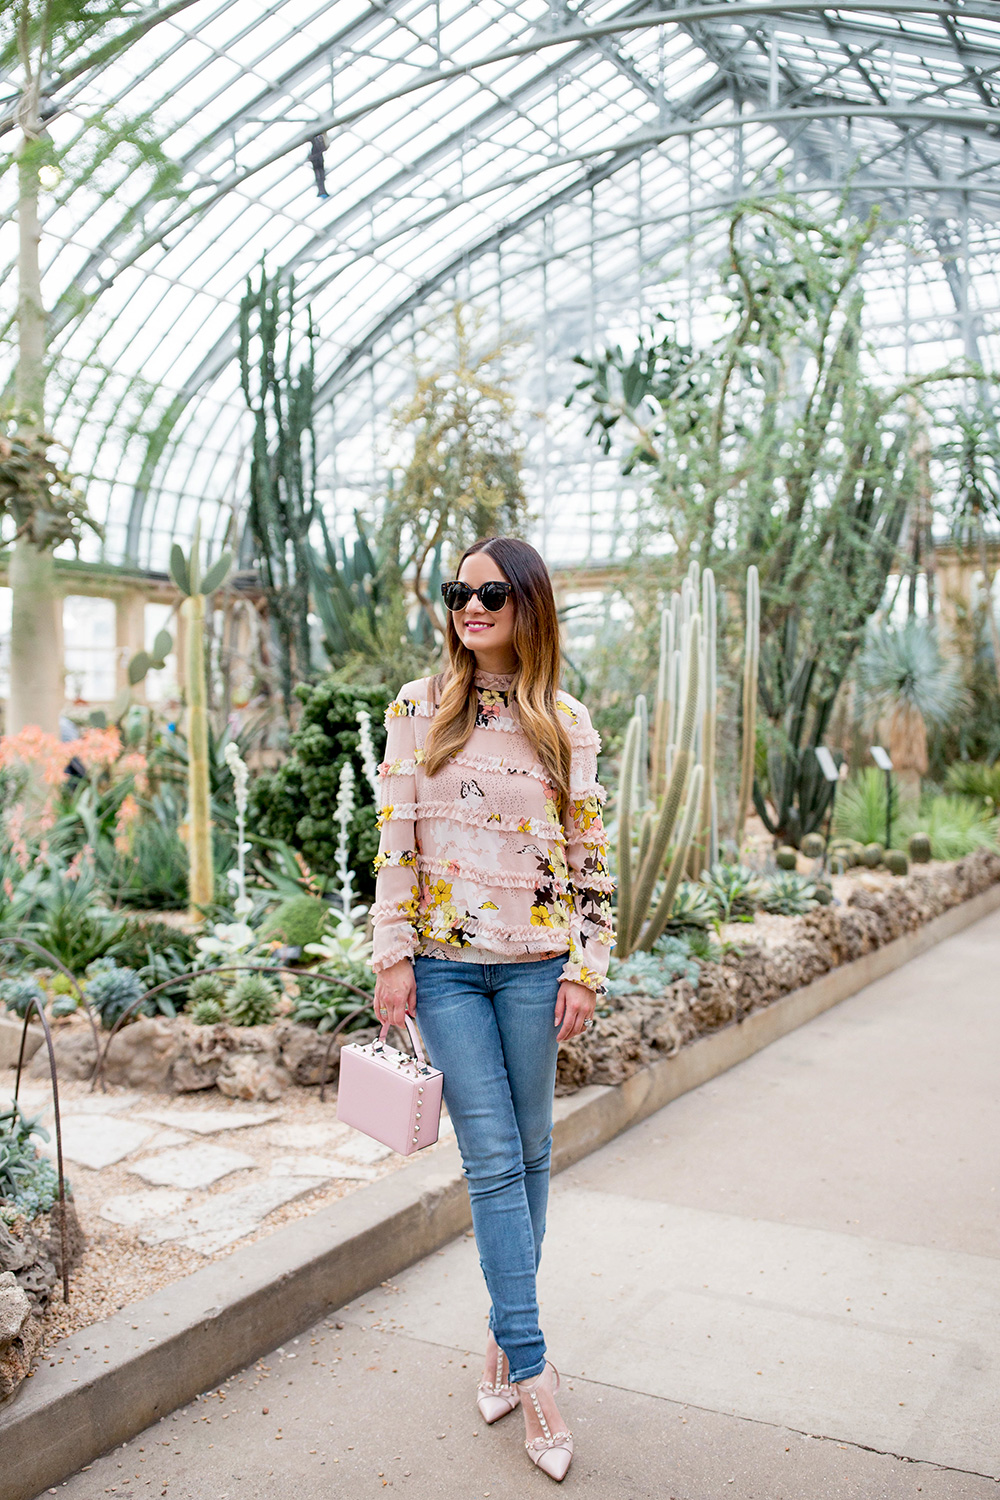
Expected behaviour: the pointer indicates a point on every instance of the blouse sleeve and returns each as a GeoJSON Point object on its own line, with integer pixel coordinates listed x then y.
{"type": "Point", "coordinates": [394, 912]}
{"type": "Point", "coordinates": [591, 927]}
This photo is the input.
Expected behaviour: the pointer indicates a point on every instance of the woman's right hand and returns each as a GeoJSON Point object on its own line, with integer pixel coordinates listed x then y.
{"type": "Point", "coordinates": [396, 993]}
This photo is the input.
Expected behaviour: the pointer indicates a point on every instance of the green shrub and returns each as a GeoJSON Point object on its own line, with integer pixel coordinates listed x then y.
{"type": "Point", "coordinates": [788, 894]}
{"type": "Point", "coordinates": [296, 803]}
{"type": "Point", "coordinates": [860, 811]}
{"type": "Point", "coordinates": [976, 778]}
{"type": "Point", "coordinates": [954, 825]}
{"type": "Point", "coordinates": [28, 1182]}
{"type": "Point", "coordinates": [736, 890]}
{"type": "Point", "coordinates": [297, 921]}
{"type": "Point", "coordinates": [251, 1001]}
{"type": "Point", "coordinates": [70, 923]}
{"type": "Point", "coordinates": [18, 992]}
{"type": "Point", "coordinates": [155, 950]}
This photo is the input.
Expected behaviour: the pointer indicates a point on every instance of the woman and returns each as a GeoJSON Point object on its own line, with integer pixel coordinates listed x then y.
{"type": "Point", "coordinates": [492, 924]}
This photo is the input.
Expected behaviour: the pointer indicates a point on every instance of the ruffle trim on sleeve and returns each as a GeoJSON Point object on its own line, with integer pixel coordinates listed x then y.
{"type": "Point", "coordinates": [583, 737]}
{"type": "Point", "coordinates": [408, 708]}
{"type": "Point", "coordinates": [402, 948]}
{"type": "Point", "coordinates": [579, 973]}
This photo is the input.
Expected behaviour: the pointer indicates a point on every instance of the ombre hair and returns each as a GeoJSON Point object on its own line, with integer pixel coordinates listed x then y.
{"type": "Point", "coordinates": [536, 676]}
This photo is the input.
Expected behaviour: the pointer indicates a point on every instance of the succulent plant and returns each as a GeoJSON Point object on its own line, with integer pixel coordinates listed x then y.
{"type": "Point", "coordinates": [873, 855]}
{"type": "Point", "coordinates": [813, 846]}
{"type": "Point", "coordinates": [786, 858]}
{"type": "Point", "coordinates": [64, 1005]}
{"type": "Point", "coordinates": [824, 895]}
{"type": "Point", "coordinates": [205, 987]}
{"type": "Point", "coordinates": [897, 863]}
{"type": "Point", "coordinates": [693, 906]}
{"type": "Point", "coordinates": [789, 894]}
{"type": "Point", "coordinates": [18, 992]}
{"type": "Point", "coordinates": [251, 1001]}
{"type": "Point", "coordinates": [112, 990]}
{"type": "Point", "coordinates": [919, 846]}
{"type": "Point", "coordinates": [298, 920]}
{"type": "Point", "coordinates": [206, 1012]}
{"type": "Point", "coordinates": [652, 973]}
{"type": "Point", "coordinates": [736, 889]}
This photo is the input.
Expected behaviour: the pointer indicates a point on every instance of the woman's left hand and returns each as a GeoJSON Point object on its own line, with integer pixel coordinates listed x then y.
{"type": "Point", "coordinates": [574, 1007]}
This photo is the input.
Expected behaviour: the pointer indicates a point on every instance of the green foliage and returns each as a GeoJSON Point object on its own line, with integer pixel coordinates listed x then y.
{"type": "Point", "coordinates": [296, 803]}
{"type": "Point", "coordinates": [976, 779]}
{"type": "Point", "coordinates": [18, 992]}
{"type": "Point", "coordinates": [28, 1181]}
{"type": "Point", "coordinates": [206, 1012]}
{"type": "Point", "coordinates": [652, 973]}
{"type": "Point", "coordinates": [297, 921]}
{"type": "Point", "coordinates": [205, 987]}
{"type": "Point", "coordinates": [111, 990]}
{"type": "Point", "coordinates": [954, 825]}
{"type": "Point", "coordinates": [788, 894]}
{"type": "Point", "coordinates": [736, 890]}
{"type": "Point", "coordinates": [903, 667]}
{"type": "Point", "coordinates": [860, 810]}
{"type": "Point", "coordinates": [70, 924]}
{"type": "Point", "coordinates": [154, 949]}
{"type": "Point", "coordinates": [323, 1005]}
{"type": "Point", "coordinates": [251, 1001]}
{"type": "Point", "coordinates": [693, 906]}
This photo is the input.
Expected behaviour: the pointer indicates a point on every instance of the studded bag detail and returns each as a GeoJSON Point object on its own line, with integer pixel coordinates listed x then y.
{"type": "Point", "coordinates": [389, 1095]}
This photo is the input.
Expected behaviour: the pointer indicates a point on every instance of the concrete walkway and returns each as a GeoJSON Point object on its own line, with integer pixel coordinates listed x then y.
{"type": "Point", "coordinates": [784, 1286]}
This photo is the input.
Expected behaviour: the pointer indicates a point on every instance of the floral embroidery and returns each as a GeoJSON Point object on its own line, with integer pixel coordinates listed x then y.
{"type": "Point", "coordinates": [587, 812]}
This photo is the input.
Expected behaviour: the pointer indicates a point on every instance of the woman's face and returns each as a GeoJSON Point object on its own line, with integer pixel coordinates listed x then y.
{"type": "Point", "coordinates": [490, 636]}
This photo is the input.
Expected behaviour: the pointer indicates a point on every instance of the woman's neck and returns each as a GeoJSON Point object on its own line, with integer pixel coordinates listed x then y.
{"type": "Point", "coordinates": [496, 663]}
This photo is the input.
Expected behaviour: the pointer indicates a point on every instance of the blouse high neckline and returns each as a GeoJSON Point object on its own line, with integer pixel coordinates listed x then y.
{"type": "Point", "coordinates": [498, 681]}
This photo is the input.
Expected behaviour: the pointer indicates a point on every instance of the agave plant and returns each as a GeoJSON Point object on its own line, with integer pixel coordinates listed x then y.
{"type": "Point", "coordinates": [788, 894]}
{"type": "Point", "coordinates": [736, 890]}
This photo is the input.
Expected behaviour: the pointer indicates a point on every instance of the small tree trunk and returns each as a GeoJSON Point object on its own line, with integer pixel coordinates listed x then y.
{"type": "Point", "coordinates": [201, 876]}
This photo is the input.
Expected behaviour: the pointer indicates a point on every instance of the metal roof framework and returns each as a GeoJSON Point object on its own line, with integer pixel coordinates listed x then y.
{"type": "Point", "coordinates": [567, 166]}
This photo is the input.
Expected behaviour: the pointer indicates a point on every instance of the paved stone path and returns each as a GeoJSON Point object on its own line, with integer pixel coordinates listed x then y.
{"type": "Point", "coordinates": [784, 1286]}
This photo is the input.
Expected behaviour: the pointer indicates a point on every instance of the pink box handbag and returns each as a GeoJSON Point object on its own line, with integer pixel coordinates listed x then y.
{"type": "Point", "coordinates": [389, 1095]}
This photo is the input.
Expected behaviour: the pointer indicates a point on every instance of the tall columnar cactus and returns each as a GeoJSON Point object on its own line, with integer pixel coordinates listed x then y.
{"type": "Point", "coordinates": [196, 586]}
{"type": "Point", "coordinates": [751, 668]}
{"type": "Point", "coordinates": [637, 877]}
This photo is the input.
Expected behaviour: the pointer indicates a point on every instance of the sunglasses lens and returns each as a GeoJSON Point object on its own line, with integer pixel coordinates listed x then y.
{"type": "Point", "coordinates": [456, 595]}
{"type": "Point", "coordinates": [493, 596]}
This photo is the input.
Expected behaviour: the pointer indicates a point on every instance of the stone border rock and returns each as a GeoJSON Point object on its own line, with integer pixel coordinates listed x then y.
{"type": "Point", "coordinates": [155, 1355]}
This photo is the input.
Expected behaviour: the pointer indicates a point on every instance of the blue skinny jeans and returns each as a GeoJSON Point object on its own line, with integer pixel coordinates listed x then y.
{"type": "Point", "coordinates": [491, 1030]}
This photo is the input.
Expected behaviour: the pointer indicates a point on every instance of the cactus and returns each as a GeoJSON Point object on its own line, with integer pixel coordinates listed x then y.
{"type": "Point", "coordinates": [919, 846]}
{"type": "Point", "coordinates": [824, 895]}
{"type": "Point", "coordinates": [204, 987]}
{"type": "Point", "coordinates": [751, 670]}
{"type": "Point", "coordinates": [196, 586]}
{"type": "Point", "coordinates": [251, 1001]}
{"type": "Point", "coordinates": [897, 863]}
{"type": "Point", "coordinates": [872, 855]}
{"type": "Point", "coordinates": [786, 858]}
{"type": "Point", "coordinates": [813, 846]}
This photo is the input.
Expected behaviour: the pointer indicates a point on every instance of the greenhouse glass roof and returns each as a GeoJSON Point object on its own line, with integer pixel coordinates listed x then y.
{"type": "Point", "coordinates": [564, 166]}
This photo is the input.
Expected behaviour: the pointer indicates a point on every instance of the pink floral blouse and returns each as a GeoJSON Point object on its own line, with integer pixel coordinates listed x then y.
{"type": "Point", "coordinates": [475, 859]}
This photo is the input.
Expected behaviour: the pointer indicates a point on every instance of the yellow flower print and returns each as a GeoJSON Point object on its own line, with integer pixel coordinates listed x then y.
{"type": "Point", "coordinates": [493, 818]}
{"type": "Point", "coordinates": [493, 699]}
{"type": "Point", "coordinates": [551, 811]}
{"type": "Point", "coordinates": [402, 708]}
{"type": "Point", "coordinates": [524, 825]}
{"type": "Point", "coordinates": [488, 906]}
{"type": "Point", "coordinates": [410, 909]}
{"type": "Point", "coordinates": [541, 916]}
{"type": "Point", "coordinates": [384, 815]}
{"type": "Point", "coordinates": [439, 892]}
{"type": "Point", "coordinates": [591, 979]}
{"type": "Point", "coordinates": [394, 857]}
{"type": "Point", "coordinates": [419, 755]}
{"type": "Point", "coordinates": [557, 863]}
{"type": "Point", "coordinates": [586, 811]}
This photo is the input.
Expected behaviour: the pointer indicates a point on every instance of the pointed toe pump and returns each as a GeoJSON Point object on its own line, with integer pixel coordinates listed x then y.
{"type": "Point", "coordinates": [553, 1451]}
{"type": "Point", "coordinates": [496, 1398]}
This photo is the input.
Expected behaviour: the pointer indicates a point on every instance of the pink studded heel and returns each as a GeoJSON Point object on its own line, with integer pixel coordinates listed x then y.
{"type": "Point", "coordinates": [497, 1398]}
{"type": "Point", "coordinates": [553, 1451]}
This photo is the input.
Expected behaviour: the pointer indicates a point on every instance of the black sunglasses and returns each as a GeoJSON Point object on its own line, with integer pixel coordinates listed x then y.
{"type": "Point", "coordinates": [492, 596]}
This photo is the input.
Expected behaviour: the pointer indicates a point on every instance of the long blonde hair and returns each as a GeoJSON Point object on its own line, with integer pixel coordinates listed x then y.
{"type": "Point", "coordinates": [536, 677]}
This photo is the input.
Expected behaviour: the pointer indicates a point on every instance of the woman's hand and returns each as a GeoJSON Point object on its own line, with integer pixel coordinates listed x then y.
{"type": "Point", "coordinates": [396, 993]}
{"type": "Point", "coordinates": [574, 1007]}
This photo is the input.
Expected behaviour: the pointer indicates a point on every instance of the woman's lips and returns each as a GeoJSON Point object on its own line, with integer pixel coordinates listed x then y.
{"type": "Point", "coordinates": [477, 625]}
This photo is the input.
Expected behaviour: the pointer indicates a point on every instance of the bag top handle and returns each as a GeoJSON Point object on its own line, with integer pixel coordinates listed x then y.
{"type": "Point", "coordinates": [414, 1038]}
